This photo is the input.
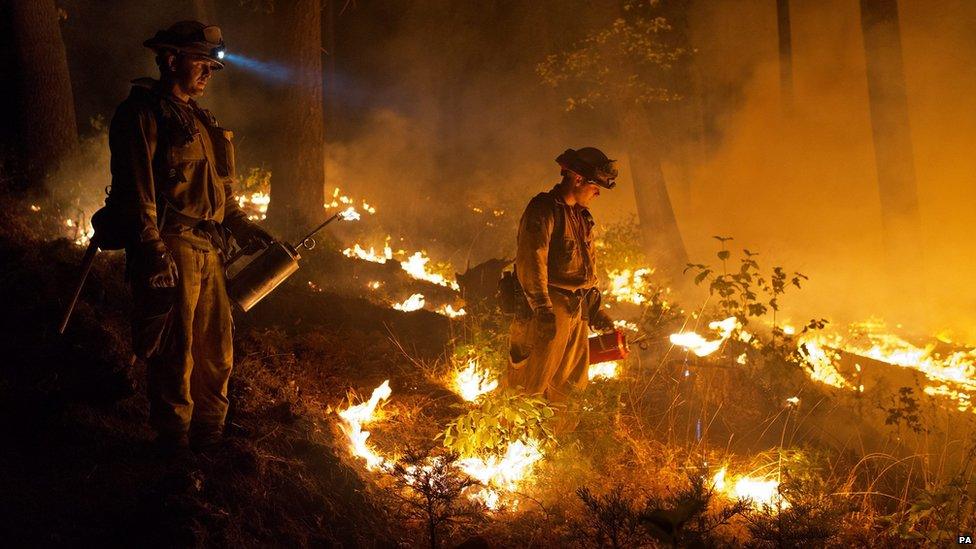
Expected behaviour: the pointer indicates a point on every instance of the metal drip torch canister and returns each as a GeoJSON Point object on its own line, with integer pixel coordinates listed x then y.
{"type": "Point", "coordinates": [608, 347]}
{"type": "Point", "coordinates": [271, 267]}
{"type": "Point", "coordinates": [263, 274]}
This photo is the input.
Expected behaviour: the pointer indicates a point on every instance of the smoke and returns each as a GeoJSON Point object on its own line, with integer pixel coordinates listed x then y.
{"type": "Point", "coordinates": [799, 183]}
{"type": "Point", "coordinates": [436, 110]}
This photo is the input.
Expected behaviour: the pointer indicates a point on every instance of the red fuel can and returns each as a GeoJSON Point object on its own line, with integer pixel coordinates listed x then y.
{"type": "Point", "coordinates": [609, 346]}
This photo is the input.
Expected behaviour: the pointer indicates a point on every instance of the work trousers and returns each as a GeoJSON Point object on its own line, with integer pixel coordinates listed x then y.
{"type": "Point", "coordinates": [553, 368]}
{"type": "Point", "coordinates": [189, 371]}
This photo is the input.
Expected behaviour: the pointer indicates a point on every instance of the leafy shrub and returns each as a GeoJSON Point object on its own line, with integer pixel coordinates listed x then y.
{"type": "Point", "coordinates": [500, 420]}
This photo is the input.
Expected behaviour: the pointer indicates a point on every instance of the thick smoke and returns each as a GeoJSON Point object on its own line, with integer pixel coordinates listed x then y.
{"type": "Point", "coordinates": [799, 183]}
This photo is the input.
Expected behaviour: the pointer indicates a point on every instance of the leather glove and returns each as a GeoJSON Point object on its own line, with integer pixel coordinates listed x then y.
{"type": "Point", "coordinates": [545, 324]}
{"type": "Point", "coordinates": [601, 322]}
{"type": "Point", "coordinates": [252, 235]}
{"type": "Point", "coordinates": [159, 268]}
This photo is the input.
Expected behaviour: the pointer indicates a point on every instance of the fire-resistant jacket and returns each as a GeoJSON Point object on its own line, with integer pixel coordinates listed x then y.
{"type": "Point", "coordinates": [167, 154]}
{"type": "Point", "coordinates": [555, 248]}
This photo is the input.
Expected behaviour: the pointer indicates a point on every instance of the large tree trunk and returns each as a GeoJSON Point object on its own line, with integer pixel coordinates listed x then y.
{"type": "Point", "coordinates": [662, 243]}
{"type": "Point", "coordinates": [46, 107]}
{"type": "Point", "coordinates": [892, 133]}
{"type": "Point", "coordinates": [785, 53]}
{"type": "Point", "coordinates": [297, 166]}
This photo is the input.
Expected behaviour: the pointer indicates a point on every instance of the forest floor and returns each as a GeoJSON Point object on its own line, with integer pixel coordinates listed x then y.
{"type": "Point", "coordinates": [79, 466]}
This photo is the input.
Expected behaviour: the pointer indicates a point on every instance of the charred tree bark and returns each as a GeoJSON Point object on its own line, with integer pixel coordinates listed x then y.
{"type": "Point", "coordinates": [45, 104]}
{"type": "Point", "coordinates": [298, 162]}
{"type": "Point", "coordinates": [662, 242]}
{"type": "Point", "coordinates": [785, 53]}
{"type": "Point", "coordinates": [892, 132]}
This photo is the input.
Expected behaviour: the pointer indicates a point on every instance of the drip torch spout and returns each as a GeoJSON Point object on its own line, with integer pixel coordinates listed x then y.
{"type": "Point", "coordinates": [307, 242]}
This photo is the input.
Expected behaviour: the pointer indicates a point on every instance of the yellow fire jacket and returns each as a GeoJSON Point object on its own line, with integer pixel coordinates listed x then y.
{"type": "Point", "coordinates": [166, 153]}
{"type": "Point", "coordinates": [555, 248]}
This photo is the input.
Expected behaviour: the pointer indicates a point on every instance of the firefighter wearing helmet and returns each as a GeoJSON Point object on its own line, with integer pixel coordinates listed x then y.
{"type": "Point", "coordinates": [172, 177]}
{"type": "Point", "coordinates": [555, 267]}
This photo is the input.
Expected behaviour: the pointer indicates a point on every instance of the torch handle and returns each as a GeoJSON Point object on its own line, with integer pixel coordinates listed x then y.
{"type": "Point", "coordinates": [314, 231]}
{"type": "Point", "coordinates": [86, 265]}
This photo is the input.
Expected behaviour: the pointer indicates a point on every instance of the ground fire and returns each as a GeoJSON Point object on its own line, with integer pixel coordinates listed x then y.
{"type": "Point", "coordinates": [630, 273]}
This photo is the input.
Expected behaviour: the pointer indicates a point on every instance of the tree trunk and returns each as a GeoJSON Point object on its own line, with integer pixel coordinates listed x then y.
{"type": "Point", "coordinates": [892, 133]}
{"type": "Point", "coordinates": [298, 161]}
{"type": "Point", "coordinates": [785, 53]}
{"type": "Point", "coordinates": [46, 107]}
{"type": "Point", "coordinates": [662, 243]}
{"type": "Point", "coordinates": [330, 68]}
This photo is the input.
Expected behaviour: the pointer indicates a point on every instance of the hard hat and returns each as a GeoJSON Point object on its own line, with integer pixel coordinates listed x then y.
{"type": "Point", "coordinates": [191, 37]}
{"type": "Point", "coordinates": [592, 164]}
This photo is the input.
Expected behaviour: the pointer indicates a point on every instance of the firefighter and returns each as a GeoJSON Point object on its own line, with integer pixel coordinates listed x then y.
{"type": "Point", "coordinates": [556, 268]}
{"type": "Point", "coordinates": [172, 174]}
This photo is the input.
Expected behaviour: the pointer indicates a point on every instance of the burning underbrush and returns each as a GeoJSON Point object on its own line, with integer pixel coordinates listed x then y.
{"type": "Point", "coordinates": [363, 414]}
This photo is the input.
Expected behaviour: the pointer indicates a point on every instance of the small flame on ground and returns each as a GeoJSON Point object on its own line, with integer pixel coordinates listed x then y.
{"type": "Point", "coordinates": [502, 474]}
{"type": "Point", "coordinates": [416, 266]}
{"type": "Point", "coordinates": [472, 381]}
{"type": "Point", "coordinates": [412, 303]}
{"type": "Point", "coordinates": [359, 252]}
{"type": "Point", "coordinates": [449, 311]}
{"type": "Point", "coordinates": [605, 370]}
{"type": "Point", "coordinates": [499, 475]}
{"type": "Point", "coordinates": [35, 208]}
{"type": "Point", "coordinates": [374, 285]}
{"type": "Point", "coordinates": [758, 490]}
{"type": "Point", "coordinates": [821, 361]}
{"type": "Point", "coordinates": [704, 347]}
{"type": "Point", "coordinates": [355, 417]}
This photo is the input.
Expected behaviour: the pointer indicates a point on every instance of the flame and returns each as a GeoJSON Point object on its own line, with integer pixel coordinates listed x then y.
{"type": "Point", "coordinates": [472, 382]}
{"type": "Point", "coordinates": [350, 214]}
{"type": "Point", "coordinates": [35, 208]}
{"type": "Point", "coordinates": [449, 311]}
{"type": "Point", "coordinates": [374, 285]}
{"type": "Point", "coordinates": [499, 475]}
{"type": "Point", "coordinates": [951, 376]}
{"type": "Point", "coordinates": [416, 266]}
{"type": "Point", "coordinates": [255, 205]}
{"type": "Point", "coordinates": [704, 347]}
{"type": "Point", "coordinates": [82, 233]}
{"type": "Point", "coordinates": [628, 286]}
{"type": "Point", "coordinates": [606, 370]}
{"type": "Point", "coordinates": [370, 255]}
{"type": "Point", "coordinates": [758, 490]}
{"type": "Point", "coordinates": [821, 360]}
{"type": "Point", "coordinates": [412, 303]}
{"type": "Point", "coordinates": [355, 417]}
{"type": "Point", "coordinates": [502, 474]}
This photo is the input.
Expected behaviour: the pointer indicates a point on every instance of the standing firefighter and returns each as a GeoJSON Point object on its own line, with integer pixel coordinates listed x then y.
{"type": "Point", "coordinates": [555, 267]}
{"type": "Point", "coordinates": [172, 170]}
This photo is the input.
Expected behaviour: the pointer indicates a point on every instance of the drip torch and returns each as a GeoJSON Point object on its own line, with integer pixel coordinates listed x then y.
{"type": "Point", "coordinates": [272, 266]}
